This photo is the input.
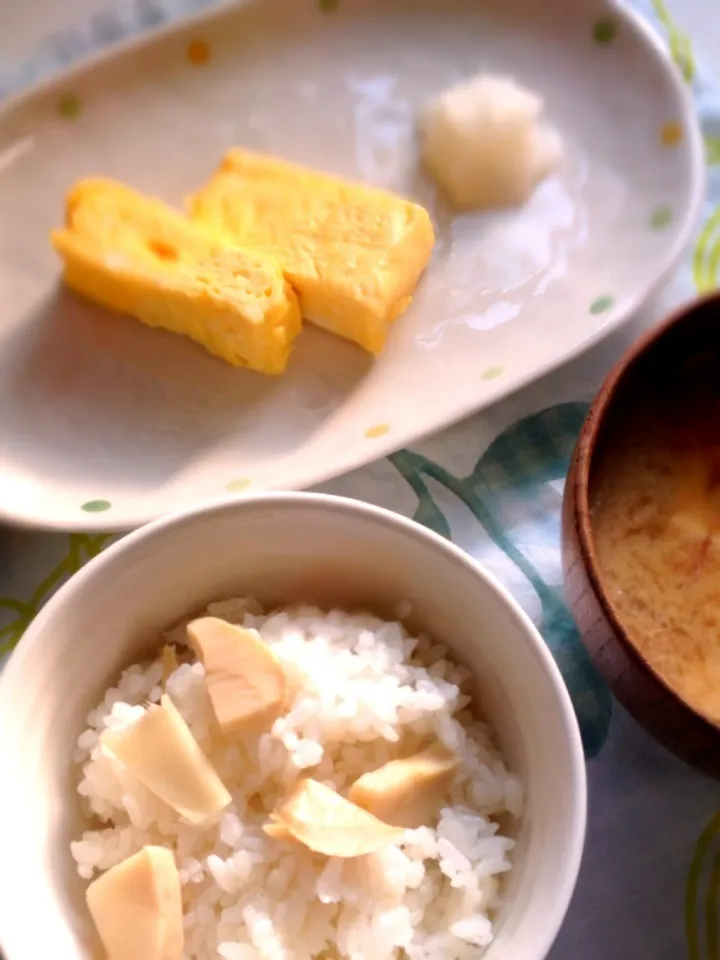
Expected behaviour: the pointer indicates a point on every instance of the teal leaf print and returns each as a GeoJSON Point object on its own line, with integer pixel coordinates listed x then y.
{"type": "Point", "coordinates": [505, 493]}
{"type": "Point", "coordinates": [16, 615]}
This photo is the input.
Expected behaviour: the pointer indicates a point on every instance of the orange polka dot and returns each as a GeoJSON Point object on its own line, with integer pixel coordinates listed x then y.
{"type": "Point", "coordinates": [671, 134]}
{"type": "Point", "coordinates": [379, 430]}
{"type": "Point", "coordinates": [240, 483]}
{"type": "Point", "coordinates": [198, 52]}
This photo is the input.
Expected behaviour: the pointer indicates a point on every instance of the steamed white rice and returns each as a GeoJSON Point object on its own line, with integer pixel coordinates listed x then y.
{"type": "Point", "coordinates": [368, 693]}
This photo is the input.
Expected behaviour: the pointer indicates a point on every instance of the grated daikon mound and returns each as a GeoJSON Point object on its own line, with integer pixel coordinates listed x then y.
{"type": "Point", "coordinates": [485, 144]}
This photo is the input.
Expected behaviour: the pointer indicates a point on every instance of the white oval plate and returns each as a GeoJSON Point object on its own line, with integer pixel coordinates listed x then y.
{"type": "Point", "coordinates": [105, 424]}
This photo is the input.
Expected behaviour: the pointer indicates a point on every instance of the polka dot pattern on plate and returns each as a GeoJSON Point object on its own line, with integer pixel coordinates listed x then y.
{"type": "Point", "coordinates": [199, 52]}
{"type": "Point", "coordinates": [379, 430]}
{"type": "Point", "coordinates": [671, 133]}
{"type": "Point", "coordinates": [660, 218]}
{"type": "Point", "coordinates": [492, 373]}
{"type": "Point", "coordinates": [604, 31]}
{"type": "Point", "coordinates": [69, 106]}
{"type": "Point", "coordinates": [96, 506]}
{"type": "Point", "coordinates": [238, 484]}
{"type": "Point", "coordinates": [601, 305]}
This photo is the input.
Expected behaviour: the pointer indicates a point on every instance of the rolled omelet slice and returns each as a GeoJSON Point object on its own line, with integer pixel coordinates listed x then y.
{"type": "Point", "coordinates": [353, 253]}
{"type": "Point", "coordinates": [135, 255]}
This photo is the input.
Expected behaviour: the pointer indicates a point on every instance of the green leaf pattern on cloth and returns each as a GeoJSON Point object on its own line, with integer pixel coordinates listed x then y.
{"type": "Point", "coordinates": [702, 895]}
{"type": "Point", "coordinates": [712, 150]}
{"type": "Point", "coordinates": [706, 257]}
{"type": "Point", "coordinates": [17, 614]}
{"type": "Point", "coordinates": [678, 42]}
{"type": "Point", "coordinates": [502, 489]}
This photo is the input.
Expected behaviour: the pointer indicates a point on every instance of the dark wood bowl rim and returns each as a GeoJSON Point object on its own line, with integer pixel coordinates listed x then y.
{"type": "Point", "coordinates": [587, 443]}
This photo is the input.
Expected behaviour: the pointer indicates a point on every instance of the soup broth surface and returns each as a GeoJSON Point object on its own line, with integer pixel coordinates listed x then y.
{"type": "Point", "coordinates": [655, 513]}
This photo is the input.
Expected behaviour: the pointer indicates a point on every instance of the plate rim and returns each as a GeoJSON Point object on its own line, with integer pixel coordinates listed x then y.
{"type": "Point", "coordinates": [360, 456]}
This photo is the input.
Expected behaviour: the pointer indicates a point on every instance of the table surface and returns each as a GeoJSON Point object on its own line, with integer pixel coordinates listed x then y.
{"type": "Point", "coordinates": [648, 888]}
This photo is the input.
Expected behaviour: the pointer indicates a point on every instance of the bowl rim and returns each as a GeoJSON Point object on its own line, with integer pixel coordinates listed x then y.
{"type": "Point", "coordinates": [585, 451]}
{"type": "Point", "coordinates": [426, 539]}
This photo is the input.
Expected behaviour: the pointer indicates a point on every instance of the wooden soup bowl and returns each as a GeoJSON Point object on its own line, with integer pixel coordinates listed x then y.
{"type": "Point", "coordinates": [690, 336]}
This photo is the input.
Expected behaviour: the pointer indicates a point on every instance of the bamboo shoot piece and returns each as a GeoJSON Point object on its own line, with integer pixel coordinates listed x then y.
{"type": "Point", "coordinates": [327, 823]}
{"type": "Point", "coordinates": [137, 907]}
{"type": "Point", "coordinates": [162, 753]}
{"type": "Point", "coordinates": [246, 683]}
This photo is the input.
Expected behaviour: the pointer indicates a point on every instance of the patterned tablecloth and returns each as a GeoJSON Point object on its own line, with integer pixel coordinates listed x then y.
{"type": "Point", "coordinates": [650, 884]}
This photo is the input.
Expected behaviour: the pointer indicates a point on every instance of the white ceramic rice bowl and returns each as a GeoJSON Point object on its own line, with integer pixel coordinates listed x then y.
{"type": "Point", "coordinates": [279, 548]}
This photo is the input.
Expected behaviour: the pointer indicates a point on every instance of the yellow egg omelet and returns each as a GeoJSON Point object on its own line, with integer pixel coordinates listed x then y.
{"type": "Point", "coordinates": [135, 255]}
{"type": "Point", "coordinates": [354, 254]}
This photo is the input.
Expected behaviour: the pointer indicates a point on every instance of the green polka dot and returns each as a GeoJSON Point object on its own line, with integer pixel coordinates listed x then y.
{"type": "Point", "coordinates": [661, 218]}
{"type": "Point", "coordinates": [328, 5]}
{"type": "Point", "coordinates": [240, 483]}
{"type": "Point", "coordinates": [492, 373]}
{"type": "Point", "coordinates": [96, 506]}
{"type": "Point", "coordinates": [601, 305]}
{"type": "Point", "coordinates": [69, 106]}
{"type": "Point", "coordinates": [604, 31]}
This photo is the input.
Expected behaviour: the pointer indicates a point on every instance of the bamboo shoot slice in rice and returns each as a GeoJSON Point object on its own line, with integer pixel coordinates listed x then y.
{"type": "Point", "coordinates": [137, 907]}
{"type": "Point", "coordinates": [408, 792]}
{"type": "Point", "coordinates": [327, 823]}
{"type": "Point", "coordinates": [162, 753]}
{"type": "Point", "coordinates": [278, 831]}
{"type": "Point", "coordinates": [246, 683]}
